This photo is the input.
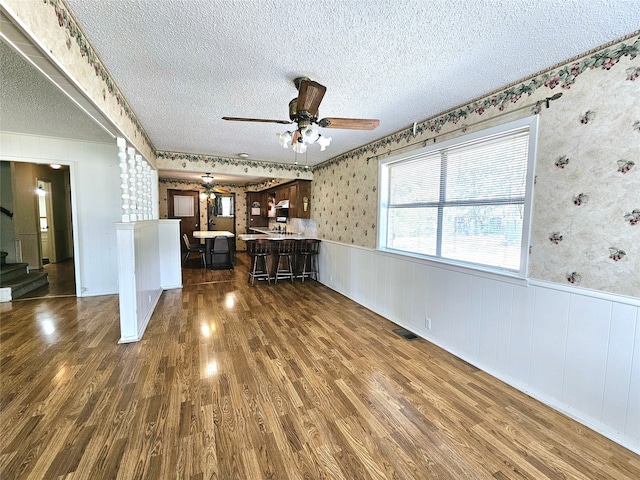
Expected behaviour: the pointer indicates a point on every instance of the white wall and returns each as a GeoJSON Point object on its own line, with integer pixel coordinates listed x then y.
{"type": "Point", "coordinates": [170, 254]}
{"type": "Point", "coordinates": [95, 191]}
{"type": "Point", "coordinates": [148, 262]}
{"type": "Point", "coordinates": [574, 349]}
{"type": "Point", "coordinates": [139, 276]}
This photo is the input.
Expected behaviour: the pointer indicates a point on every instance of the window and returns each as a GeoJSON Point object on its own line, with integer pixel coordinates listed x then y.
{"type": "Point", "coordinates": [222, 206]}
{"type": "Point", "coordinates": [464, 201]}
{"type": "Point", "coordinates": [227, 206]}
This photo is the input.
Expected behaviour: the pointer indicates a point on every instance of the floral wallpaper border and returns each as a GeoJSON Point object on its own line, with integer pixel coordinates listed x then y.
{"type": "Point", "coordinates": [191, 183]}
{"type": "Point", "coordinates": [67, 21]}
{"type": "Point", "coordinates": [226, 161]}
{"type": "Point", "coordinates": [563, 75]}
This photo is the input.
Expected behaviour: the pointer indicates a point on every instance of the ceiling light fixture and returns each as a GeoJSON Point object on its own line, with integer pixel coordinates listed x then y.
{"type": "Point", "coordinates": [207, 178]}
{"type": "Point", "coordinates": [302, 137]}
{"type": "Point", "coordinates": [243, 155]}
{"type": "Point", "coordinates": [56, 166]}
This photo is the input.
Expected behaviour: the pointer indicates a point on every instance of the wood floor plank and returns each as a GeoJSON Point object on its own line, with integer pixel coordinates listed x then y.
{"type": "Point", "coordinates": [266, 382]}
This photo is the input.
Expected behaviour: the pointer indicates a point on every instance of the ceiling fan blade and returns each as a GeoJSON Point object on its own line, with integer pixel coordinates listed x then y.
{"type": "Point", "coordinates": [240, 119]}
{"type": "Point", "coordinates": [309, 97]}
{"type": "Point", "coordinates": [349, 123]}
{"type": "Point", "coordinates": [296, 136]}
{"type": "Point", "coordinates": [221, 191]}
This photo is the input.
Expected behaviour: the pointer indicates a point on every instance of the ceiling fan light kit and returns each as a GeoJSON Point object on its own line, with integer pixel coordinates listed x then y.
{"type": "Point", "coordinates": [303, 111]}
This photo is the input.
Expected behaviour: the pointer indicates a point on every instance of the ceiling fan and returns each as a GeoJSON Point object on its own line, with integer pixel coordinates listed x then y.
{"type": "Point", "coordinates": [303, 111]}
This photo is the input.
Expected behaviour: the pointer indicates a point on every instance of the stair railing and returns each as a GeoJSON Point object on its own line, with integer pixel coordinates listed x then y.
{"type": "Point", "coordinates": [8, 213]}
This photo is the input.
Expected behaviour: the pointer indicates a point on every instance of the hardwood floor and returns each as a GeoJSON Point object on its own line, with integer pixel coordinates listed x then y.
{"type": "Point", "coordinates": [275, 381]}
{"type": "Point", "coordinates": [61, 281]}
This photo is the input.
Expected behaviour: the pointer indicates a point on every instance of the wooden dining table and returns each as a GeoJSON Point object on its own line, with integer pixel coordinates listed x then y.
{"type": "Point", "coordinates": [209, 235]}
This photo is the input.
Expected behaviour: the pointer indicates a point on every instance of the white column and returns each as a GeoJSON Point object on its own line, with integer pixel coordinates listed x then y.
{"type": "Point", "coordinates": [124, 178]}
{"type": "Point", "coordinates": [133, 192]}
{"type": "Point", "coordinates": [147, 179]}
{"type": "Point", "coordinates": [140, 193]}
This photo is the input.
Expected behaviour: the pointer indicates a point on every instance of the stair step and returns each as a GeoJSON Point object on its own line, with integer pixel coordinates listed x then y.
{"type": "Point", "coordinates": [12, 270]}
{"type": "Point", "coordinates": [24, 284]}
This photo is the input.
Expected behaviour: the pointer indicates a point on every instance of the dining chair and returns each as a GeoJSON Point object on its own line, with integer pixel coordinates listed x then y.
{"type": "Point", "coordinates": [193, 248]}
{"type": "Point", "coordinates": [221, 253]}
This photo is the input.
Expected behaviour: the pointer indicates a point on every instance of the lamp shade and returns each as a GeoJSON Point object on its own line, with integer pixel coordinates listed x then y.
{"type": "Point", "coordinates": [299, 147]}
{"type": "Point", "coordinates": [284, 139]}
{"type": "Point", "coordinates": [323, 142]}
{"type": "Point", "coordinates": [310, 134]}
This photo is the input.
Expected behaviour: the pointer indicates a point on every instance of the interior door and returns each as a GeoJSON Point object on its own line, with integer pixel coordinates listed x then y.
{"type": "Point", "coordinates": [45, 223]}
{"type": "Point", "coordinates": [185, 206]}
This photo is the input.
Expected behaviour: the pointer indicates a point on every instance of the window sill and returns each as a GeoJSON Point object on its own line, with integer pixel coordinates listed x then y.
{"type": "Point", "coordinates": [451, 265]}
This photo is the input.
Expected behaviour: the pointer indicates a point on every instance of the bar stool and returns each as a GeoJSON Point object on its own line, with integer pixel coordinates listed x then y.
{"type": "Point", "coordinates": [285, 249]}
{"type": "Point", "coordinates": [308, 250]}
{"type": "Point", "coordinates": [259, 250]}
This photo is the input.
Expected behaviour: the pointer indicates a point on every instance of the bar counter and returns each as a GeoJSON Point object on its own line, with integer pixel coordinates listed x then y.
{"type": "Point", "coordinates": [273, 235]}
{"type": "Point", "coordinates": [299, 259]}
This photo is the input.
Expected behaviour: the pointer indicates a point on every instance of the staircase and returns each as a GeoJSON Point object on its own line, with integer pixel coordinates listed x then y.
{"type": "Point", "coordinates": [16, 280]}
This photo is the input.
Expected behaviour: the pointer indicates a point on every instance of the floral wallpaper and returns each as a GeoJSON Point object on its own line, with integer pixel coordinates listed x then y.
{"type": "Point", "coordinates": [587, 192]}
{"type": "Point", "coordinates": [586, 214]}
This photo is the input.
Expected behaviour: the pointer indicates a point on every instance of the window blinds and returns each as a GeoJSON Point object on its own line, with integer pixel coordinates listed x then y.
{"type": "Point", "coordinates": [464, 202]}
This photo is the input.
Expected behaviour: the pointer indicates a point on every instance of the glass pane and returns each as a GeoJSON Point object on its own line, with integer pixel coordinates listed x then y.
{"type": "Point", "coordinates": [483, 234]}
{"type": "Point", "coordinates": [415, 181]}
{"type": "Point", "coordinates": [182, 206]}
{"type": "Point", "coordinates": [494, 170]}
{"type": "Point", "coordinates": [226, 206]}
{"type": "Point", "coordinates": [413, 230]}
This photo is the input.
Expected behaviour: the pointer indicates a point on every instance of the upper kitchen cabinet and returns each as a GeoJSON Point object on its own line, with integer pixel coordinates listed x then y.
{"type": "Point", "coordinates": [299, 195]}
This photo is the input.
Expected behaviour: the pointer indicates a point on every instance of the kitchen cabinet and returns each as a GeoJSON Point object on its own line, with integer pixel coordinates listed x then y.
{"type": "Point", "coordinates": [302, 199]}
{"type": "Point", "coordinates": [293, 199]}
{"type": "Point", "coordinates": [281, 193]}
{"type": "Point", "coordinates": [298, 193]}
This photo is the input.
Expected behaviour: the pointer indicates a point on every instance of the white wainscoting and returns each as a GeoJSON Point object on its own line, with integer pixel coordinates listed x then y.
{"type": "Point", "coordinates": [139, 276]}
{"type": "Point", "coordinates": [575, 350]}
{"type": "Point", "coordinates": [169, 250]}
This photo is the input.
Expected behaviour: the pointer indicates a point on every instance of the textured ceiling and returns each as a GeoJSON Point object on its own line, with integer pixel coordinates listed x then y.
{"type": "Point", "coordinates": [31, 104]}
{"type": "Point", "coordinates": [183, 64]}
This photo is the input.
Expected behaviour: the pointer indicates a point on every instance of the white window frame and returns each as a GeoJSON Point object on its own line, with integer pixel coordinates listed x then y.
{"type": "Point", "coordinates": [383, 195]}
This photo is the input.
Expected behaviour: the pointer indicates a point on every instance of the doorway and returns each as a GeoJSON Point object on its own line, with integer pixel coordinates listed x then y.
{"type": "Point", "coordinates": [184, 205]}
{"type": "Point", "coordinates": [221, 212]}
{"type": "Point", "coordinates": [41, 230]}
{"type": "Point", "coordinates": [45, 223]}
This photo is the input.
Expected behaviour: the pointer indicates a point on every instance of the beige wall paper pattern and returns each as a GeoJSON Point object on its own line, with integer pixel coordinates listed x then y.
{"type": "Point", "coordinates": [588, 185]}
{"type": "Point", "coordinates": [591, 202]}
